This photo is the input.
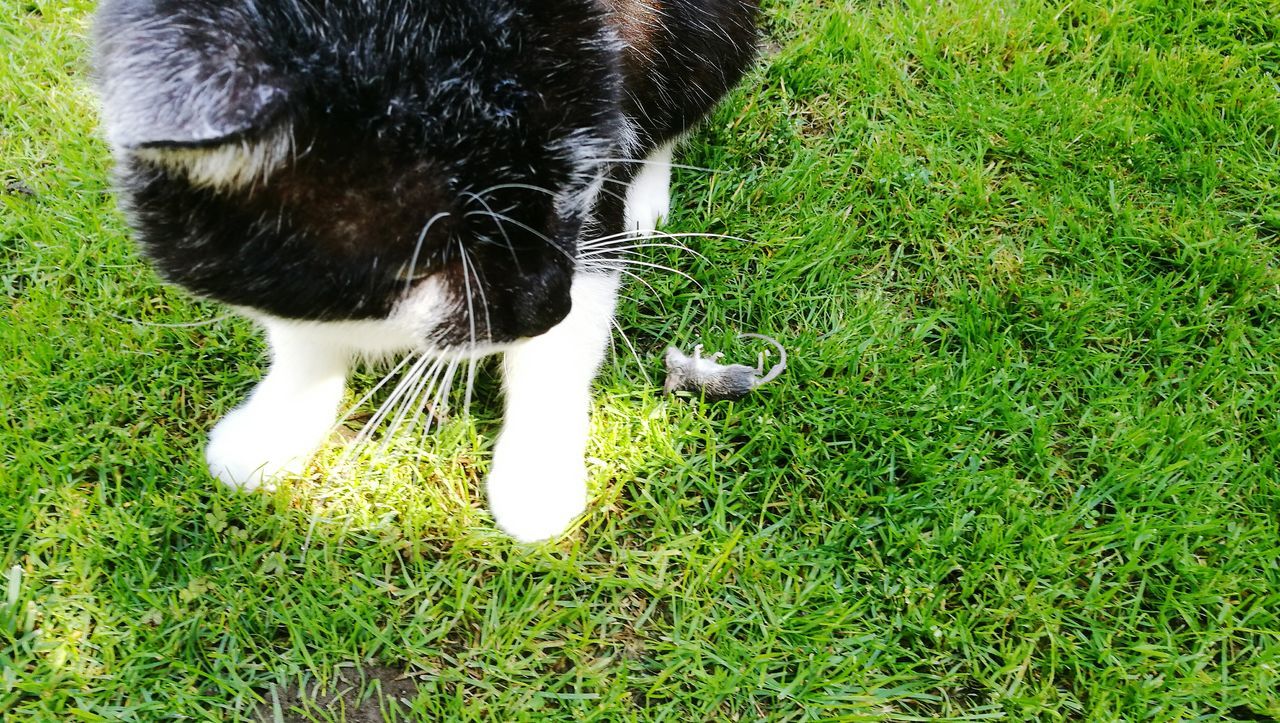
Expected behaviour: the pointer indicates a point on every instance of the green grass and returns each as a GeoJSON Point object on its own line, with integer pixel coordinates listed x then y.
{"type": "Point", "coordinates": [1023, 466]}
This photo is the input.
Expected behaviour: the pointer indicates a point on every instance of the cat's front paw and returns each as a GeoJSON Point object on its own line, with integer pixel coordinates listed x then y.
{"type": "Point", "coordinates": [535, 496]}
{"type": "Point", "coordinates": [248, 451]}
{"type": "Point", "coordinates": [648, 204]}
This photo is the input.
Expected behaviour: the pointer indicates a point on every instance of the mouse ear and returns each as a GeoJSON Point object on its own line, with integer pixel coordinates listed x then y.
{"type": "Point", "coordinates": [182, 85]}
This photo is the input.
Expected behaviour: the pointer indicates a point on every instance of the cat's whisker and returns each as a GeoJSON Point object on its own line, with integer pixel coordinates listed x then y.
{"type": "Point", "coordinates": [433, 409]}
{"type": "Point", "coordinates": [634, 354]}
{"type": "Point", "coordinates": [596, 266]}
{"type": "Point", "coordinates": [553, 194]}
{"type": "Point", "coordinates": [668, 164]}
{"type": "Point", "coordinates": [624, 236]}
{"type": "Point", "coordinates": [471, 382]}
{"type": "Point", "coordinates": [438, 403]}
{"type": "Point", "coordinates": [480, 200]}
{"type": "Point", "coordinates": [635, 249]}
{"type": "Point", "coordinates": [423, 388]}
{"type": "Point", "coordinates": [386, 379]}
{"type": "Point", "coordinates": [442, 399]}
{"type": "Point", "coordinates": [430, 413]}
{"type": "Point", "coordinates": [410, 377]}
{"type": "Point", "coordinates": [413, 380]}
{"type": "Point", "coordinates": [469, 268]}
{"type": "Point", "coordinates": [525, 186]}
{"type": "Point", "coordinates": [417, 249]}
{"type": "Point", "coordinates": [466, 284]}
{"type": "Point", "coordinates": [616, 264]}
{"type": "Point", "coordinates": [526, 227]}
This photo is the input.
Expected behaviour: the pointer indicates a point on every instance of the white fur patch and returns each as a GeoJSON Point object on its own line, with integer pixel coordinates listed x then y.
{"type": "Point", "coordinates": [583, 149]}
{"type": "Point", "coordinates": [649, 195]}
{"type": "Point", "coordinates": [412, 324]}
{"type": "Point", "coordinates": [231, 165]}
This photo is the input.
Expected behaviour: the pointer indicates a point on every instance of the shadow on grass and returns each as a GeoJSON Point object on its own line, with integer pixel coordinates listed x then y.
{"type": "Point", "coordinates": [375, 694]}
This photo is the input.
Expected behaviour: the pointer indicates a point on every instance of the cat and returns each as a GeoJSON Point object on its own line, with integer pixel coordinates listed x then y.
{"type": "Point", "coordinates": [371, 177]}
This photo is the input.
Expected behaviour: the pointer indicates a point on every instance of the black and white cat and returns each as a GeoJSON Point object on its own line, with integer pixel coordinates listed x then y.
{"type": "Point", "coordinates": [368, 177]}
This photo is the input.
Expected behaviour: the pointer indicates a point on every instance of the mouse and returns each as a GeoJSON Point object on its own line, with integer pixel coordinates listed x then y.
{"type": "Point", "coordinates": [716, 381]}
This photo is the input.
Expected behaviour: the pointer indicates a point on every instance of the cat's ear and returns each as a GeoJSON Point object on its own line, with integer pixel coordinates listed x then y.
{"type": "Point", "coordinates": [194, 93]}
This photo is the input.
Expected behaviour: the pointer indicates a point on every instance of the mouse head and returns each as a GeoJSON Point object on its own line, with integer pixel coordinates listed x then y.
{"type": "Point", "coordinates": [678, 366]}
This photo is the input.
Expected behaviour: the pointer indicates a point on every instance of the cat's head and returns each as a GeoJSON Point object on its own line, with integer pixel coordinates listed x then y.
{"type": "Point", "coordinates": [428, 160]}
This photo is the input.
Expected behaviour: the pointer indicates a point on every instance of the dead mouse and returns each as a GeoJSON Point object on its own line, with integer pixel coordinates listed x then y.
{"type": "Point", "coordinates": [715, 381]}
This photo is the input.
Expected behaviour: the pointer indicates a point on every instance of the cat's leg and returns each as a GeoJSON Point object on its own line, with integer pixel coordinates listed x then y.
{"type": "Point", "coordinates": [538, 482]}
{"type": "Point", "coordinates": [289, 414]}
{"type": "Point", "coordinates": [649, 193]}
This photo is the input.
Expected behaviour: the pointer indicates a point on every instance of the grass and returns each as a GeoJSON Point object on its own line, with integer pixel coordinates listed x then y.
{"type": "Point", "coordinates": [1023, 466]}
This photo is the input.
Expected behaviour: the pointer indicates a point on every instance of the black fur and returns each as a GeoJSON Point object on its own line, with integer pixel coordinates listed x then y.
{"type": "Point", "coordinates": [400, 111]}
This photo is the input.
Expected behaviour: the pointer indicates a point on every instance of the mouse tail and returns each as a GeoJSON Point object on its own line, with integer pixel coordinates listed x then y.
{"type": "Point", "coordinates": [778, 368]}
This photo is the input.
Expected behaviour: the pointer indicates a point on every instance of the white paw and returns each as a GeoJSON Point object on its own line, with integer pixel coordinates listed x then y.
{"type": "Point", "coordinates": [649, 195]}
{"type": "Point", "coordinates": [247, 451]}
{"type": "Point", "coordinates": [535, 496]}
{"type": "Point", "coordinates": [648, 204]}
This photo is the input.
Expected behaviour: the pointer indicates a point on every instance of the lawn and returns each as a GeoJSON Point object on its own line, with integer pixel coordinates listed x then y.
{"type": "Point", "coordinates": [1023, 466]}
